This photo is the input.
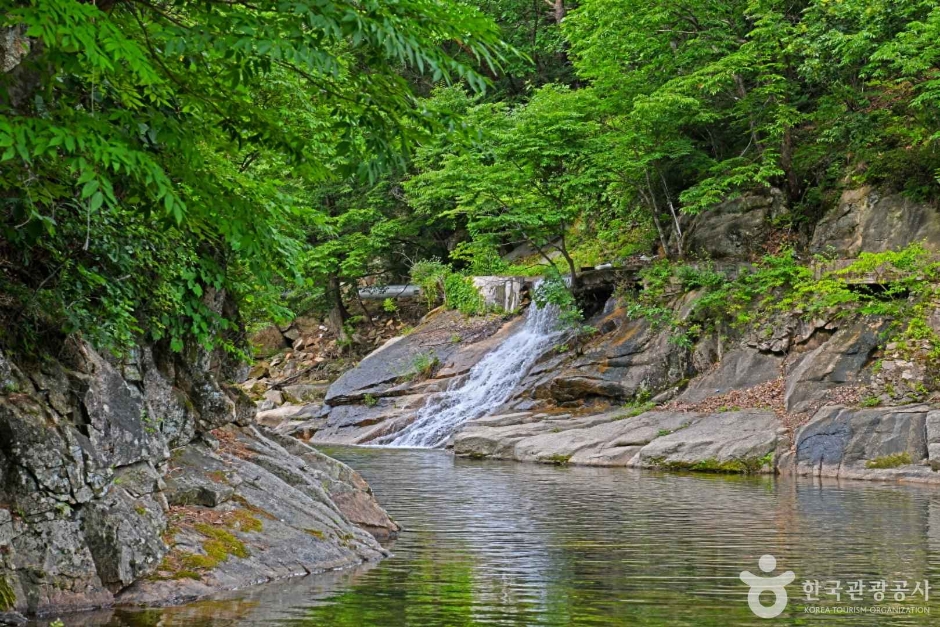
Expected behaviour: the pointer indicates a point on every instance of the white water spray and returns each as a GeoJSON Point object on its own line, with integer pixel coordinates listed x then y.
{"type": "Point", "coordinates": [488, 384]}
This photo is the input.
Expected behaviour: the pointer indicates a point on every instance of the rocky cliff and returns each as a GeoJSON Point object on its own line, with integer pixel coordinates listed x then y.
{"type": "Point", "coordinates": [145, 480]}
{"type": "Point", "coordinates": [808, 394]}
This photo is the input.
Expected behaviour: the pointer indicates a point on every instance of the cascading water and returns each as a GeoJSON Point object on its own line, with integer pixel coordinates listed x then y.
{"type": "Point", "coordinates": [488, 384]}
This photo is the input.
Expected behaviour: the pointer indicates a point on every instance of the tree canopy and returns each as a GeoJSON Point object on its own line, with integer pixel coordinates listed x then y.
{"type": "Point", "coordinates": [155, 152]}
{"type": "Point", "coordinates": [152, 150]}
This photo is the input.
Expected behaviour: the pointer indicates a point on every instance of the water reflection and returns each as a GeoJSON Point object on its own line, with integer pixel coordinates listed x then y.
{"type": "Point", "coordinates": [519, 544]}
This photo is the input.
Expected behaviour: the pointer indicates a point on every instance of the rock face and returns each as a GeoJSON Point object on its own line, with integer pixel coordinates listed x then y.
{"type": "Point", "coordinates": [107, 465]}
{"type": "Point", "coordinates": [888, 443]}
{"type": "Point", "coordinates": [866, 220]}
{"type": "Point", "coordinates": [735, 228]}
{"type": "Point", "coordinates": [630, 358]}
{"type": "Point", "coordinates": [740, 369]}
{"type": "Point", "coordinates": [278, 511]}
{"type": "Point", "coordinates": [838, 362]}
{"type": "Point", "coordinates": [723, 399]}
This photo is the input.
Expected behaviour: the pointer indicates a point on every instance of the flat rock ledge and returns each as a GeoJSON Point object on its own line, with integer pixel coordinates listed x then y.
{"type": "Point", "coordinates": [886, 444]}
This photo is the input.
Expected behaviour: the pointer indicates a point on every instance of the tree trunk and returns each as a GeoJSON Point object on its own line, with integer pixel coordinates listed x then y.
{"type": "Point", "coordinates": [573, 271]}
{"type": "Point", "coordinates": [558, 9]}
{"type": "Point", "coordinates": [786, 163]}
{"type": "Point", "coordinates": [338, 315]}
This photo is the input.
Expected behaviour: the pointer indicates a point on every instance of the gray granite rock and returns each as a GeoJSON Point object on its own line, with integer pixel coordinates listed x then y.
{"type": "Point", "coordinates": [839, 361]}
{"type": "Point", "coordinates": [12, 618]}
{"type": "Point", "coordinates": [736, 441]}
{"type": "Point", "coordinates": [933, 438]}
{"type": "Point", "coordinates": [839, 439]}
{"type": "Point", "coordinates": [866, 220]}
{"type": "Point", "coordinates": [738, 370]}
{"type": "Point", "coordinates": [85, 463]}
{"type": "Point", "coordinates": [727, 442]}
{"type": "Point", "coordinates": [385, 367]}
{"type": "Point", "coordinates": [735, 228]}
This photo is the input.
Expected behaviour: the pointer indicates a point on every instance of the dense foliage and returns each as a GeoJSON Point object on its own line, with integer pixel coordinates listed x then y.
{"type": "Point", "coordinates": [155, 153]}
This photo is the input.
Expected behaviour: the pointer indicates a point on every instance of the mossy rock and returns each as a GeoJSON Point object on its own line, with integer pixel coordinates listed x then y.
{"type": "Point", "coordinates": [731, 466]}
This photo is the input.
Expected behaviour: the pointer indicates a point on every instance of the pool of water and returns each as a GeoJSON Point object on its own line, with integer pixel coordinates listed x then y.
{"type": "Point", "coordinates": [491, 543]}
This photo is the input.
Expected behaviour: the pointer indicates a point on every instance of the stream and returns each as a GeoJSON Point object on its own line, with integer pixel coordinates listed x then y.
{"type": "Point", "coordinates": [496, 543]}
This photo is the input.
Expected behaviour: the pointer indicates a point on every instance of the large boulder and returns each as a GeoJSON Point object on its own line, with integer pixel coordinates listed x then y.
{"type": "Point", "coordinates": [734, 229]}
{"type": "Point", "coordinates": [840, 361]}
{"type": "Point", "coordinates": [740, 369]}
{"type": "Point", "coordinates": [844, 442]}
{"type": "Point", "coordinates": [268, 341]}
{"type": "Point", "coordinates": [867, 220]}
{"type": "Point", "coordinates": [283, 519]}
{"type": "Point", "coordinates": [736, 441]}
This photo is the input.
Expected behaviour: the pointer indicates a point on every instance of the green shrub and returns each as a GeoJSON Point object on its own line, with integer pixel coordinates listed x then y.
{"type": "Point", "coordinates": [554, 291]}
{"type": "Point", "coordinates": [441, 285]}
{"type": "Point", "coordinates": [461, 294]}
{"type": "Point", "coordinates": [429, 275]}
{"type": "Point", "coordinates": [422, 366]}
{"type": "Point", "coordinates": [889, 461]}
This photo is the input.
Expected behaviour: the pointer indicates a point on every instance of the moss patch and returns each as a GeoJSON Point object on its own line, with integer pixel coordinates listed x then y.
{"type": "Point", "coordinates": [738, 466]}
{"type": "Point", "coordinates": [558, 459]}
{"type": "Point", "coordinates": [193, 562]}
{"type": "Point", "coordinates": [246, 521]}
{"type": "Point", "coordinates": [889, 461]}
{"type": "Point", "coordinates": [316, 533]}
{"type": "Point", "coordinates": [221, 543]}
{"type": "Point", "coordinates": [170, 570]}
{"type": "Point", "coordinates": [254, 509]}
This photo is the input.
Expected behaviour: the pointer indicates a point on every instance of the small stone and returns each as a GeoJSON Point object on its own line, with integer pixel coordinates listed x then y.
{"type": "Point", "coordinates": [275, 396]}
{"type": "Point", "coordinates": [259, 371]}
{"type": "Point", "coordinates": [12, 618]}
{"type": "Point", "coordinates": [191, 489]}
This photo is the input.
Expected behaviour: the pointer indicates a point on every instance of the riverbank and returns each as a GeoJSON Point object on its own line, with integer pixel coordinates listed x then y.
{"type": "Point", "coordinates": [490, 542]}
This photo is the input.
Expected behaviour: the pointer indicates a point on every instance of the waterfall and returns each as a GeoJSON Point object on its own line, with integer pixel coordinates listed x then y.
{"type": "Point", "coordinates": [488, 384]}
